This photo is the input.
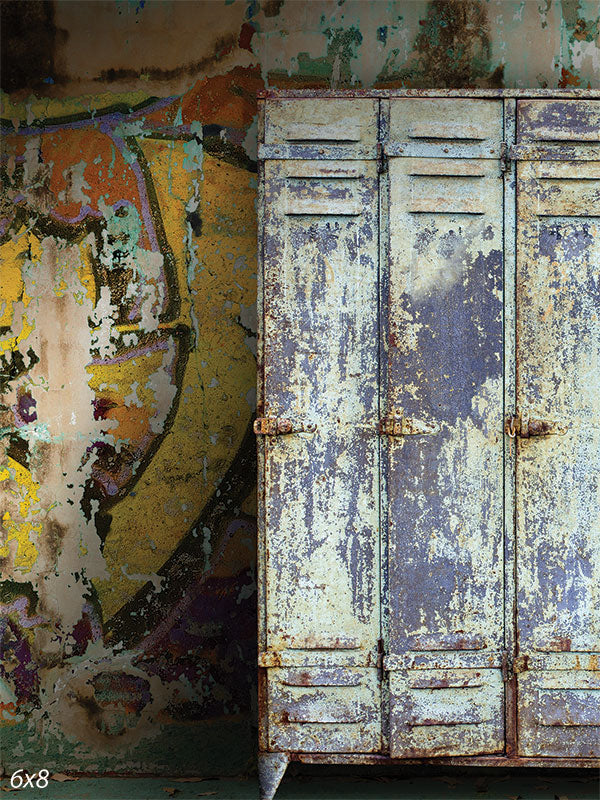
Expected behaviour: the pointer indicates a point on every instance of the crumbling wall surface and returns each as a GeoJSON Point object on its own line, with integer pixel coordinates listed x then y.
{"type": "Point", "coordinates": [128, 340]}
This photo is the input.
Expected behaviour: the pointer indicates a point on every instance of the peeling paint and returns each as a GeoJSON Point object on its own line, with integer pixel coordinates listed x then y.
{"type": "Point", "coordinates": [128, 343]}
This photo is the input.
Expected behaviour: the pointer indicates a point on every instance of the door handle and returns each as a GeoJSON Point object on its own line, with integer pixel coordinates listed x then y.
{"type": "Point", "coordinates": [524, 426]}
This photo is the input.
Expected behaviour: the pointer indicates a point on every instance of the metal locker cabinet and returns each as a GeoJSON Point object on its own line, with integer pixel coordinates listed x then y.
{"type": "Point", "coordinates": [429, 428]}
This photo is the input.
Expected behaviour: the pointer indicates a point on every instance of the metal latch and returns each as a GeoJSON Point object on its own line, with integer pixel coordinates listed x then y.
{"type": "Point", "coordinates": [513, 665]}
{"type": "Point", "coordinates": [396, 424]}
{"type": "Point", "coordinates": [382, 159]}
{"type": "Point", "coordinates": [524, 426]}
{"type": "Point", "coordinates": [279, 426]}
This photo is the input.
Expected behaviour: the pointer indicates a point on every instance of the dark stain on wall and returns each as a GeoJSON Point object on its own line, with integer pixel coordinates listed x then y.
{"type": "Point", "coordinates": [453, 49]}
{"type": "Point", "coordinates": [222, 47]}
{"type": "Point", "coordinates": [29, 39]}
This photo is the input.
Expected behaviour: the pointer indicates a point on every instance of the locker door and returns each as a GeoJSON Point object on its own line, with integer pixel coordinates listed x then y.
{"type": "Point", "coordinates": [558, 390]}
{"type": "Point", "coordinates": [443, 449]}
{"type": "Point", "coordinates": [319, 425]}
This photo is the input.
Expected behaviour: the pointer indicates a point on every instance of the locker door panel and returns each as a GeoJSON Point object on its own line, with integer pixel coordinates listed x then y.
{"type": "Point", "coordinates": [321, 481]}
{"type": "Point", "coordinates": [320, 366]}
{"type": "Point", "coordinates": [558, 475]}
{"type": "Point", "coordinates": [445, 486]}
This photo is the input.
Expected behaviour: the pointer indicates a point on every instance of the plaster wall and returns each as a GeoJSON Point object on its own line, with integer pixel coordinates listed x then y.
{"type": "Point", "coordinates": [128, 341]}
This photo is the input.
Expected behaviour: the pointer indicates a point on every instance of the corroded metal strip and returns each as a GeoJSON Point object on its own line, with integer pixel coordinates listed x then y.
{"type": "Point", "coordinates": [384, 287]}
{"type": "Point", "coordinates": [386, 94]}
{"type": "Point", "coordinates": [445, 149]}
{"type": "Point", "coordinates": [483, 659]}
{"type": "Point", "coordinates": [318, 658]}
{"type": "Point", "coordinates": [263, 716]}
{"type": "Point", "coordinates": [541, 151]}
{"type": "Point", "coordinates": [322, 151]}
{"type": "Point", "coordinates": [468, 761]}
{"type": "Point", "coordinates": [277, 426]}
{"type": "Point", "coordinates": [509, 308]}
{"type": "Point", "coordinates": [558, 661]}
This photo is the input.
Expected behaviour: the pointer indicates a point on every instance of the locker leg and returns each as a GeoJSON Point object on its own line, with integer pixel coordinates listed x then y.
{"type": "Point", "coordinates": [271, 768]}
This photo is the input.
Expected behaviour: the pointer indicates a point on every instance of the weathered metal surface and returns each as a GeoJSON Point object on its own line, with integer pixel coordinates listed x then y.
{"type": "Point", "coordinates": [557, 490]}
{"type": "Point", "coordinates": [277, 426]}
{"type": "Point", "coordinates": [560, 713]}
{"type": "Point", "coordinates": [446, 712]}
{"type": "Point", "coordinates": [462, 120]}
{"type": "Point", "coordinates": [559, 121]}
{"type": "Point", "coordinates": [472, 605]}
{"type": "Point", "coordinates": [445, 364]}
{"type": "Point", "coordinates": [321, 363]}
{"type": "Point", "coordinates": [271, 769]}
{"type": "Point", "coordinates": [341, 123]}
{"type": "Point", "coordinates": [325, 710]}
{"type": "Point", "coordinates": [320, 254]}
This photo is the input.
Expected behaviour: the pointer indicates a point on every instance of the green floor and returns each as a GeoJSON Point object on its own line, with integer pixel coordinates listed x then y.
{"type": "Point", "coordinates": [499, 785]}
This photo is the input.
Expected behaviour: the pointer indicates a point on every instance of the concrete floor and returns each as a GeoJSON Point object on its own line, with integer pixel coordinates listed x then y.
{"type": "Point", "coordinates": [491, 785]}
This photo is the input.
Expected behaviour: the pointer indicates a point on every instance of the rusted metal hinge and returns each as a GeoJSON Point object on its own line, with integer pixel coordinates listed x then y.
{"type": "Point", "coordinates": [396, 424]}
{"type": "Point", "coordinates": [522, 425]}
{"type": "Point", "coordinates": [278, 426]}
{"type": "Point", "coordinates": [505, 157]}
{"type": "Point", "coordinates": [512, 665]}
{"type": "Point", "coordinates": [382, 159]}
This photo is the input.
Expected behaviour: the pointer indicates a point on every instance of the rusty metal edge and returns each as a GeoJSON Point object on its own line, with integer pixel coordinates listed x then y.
{"type": "Point", "coordinates": [509, 378]}
{"type": "Point", "coordinates": [581, 94]}
{"type": "Point", "coordinates": [263, 716]}
{"type": "Point", "coordinates": [464, 761]}
{"type": "Point", "coordinates": [382, 317]}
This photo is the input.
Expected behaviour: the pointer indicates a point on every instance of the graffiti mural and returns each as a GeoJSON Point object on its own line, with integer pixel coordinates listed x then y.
{"type": "Point", "coordinates": [128, 343]}
{"type": "Point", "coordinates": [128, 372]}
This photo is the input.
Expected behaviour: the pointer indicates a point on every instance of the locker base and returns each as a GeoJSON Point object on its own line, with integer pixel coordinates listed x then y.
{"type": "Point", "coordinates": [271, 769]}
{"type": "Point", "coordinates": [463, 761]}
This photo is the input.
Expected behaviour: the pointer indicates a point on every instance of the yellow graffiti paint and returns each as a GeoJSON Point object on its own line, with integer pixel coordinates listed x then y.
{"type": "Point", "coordinates": [214, 412]}
{"type": "Point", "coordinates": [86, 273]}
{"type": "Point", "coordinates": [25, 111]}
{"type": "Point", "coordinates": [14, 253]}
{"type": "Point", "coordinates": [16, 480]}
